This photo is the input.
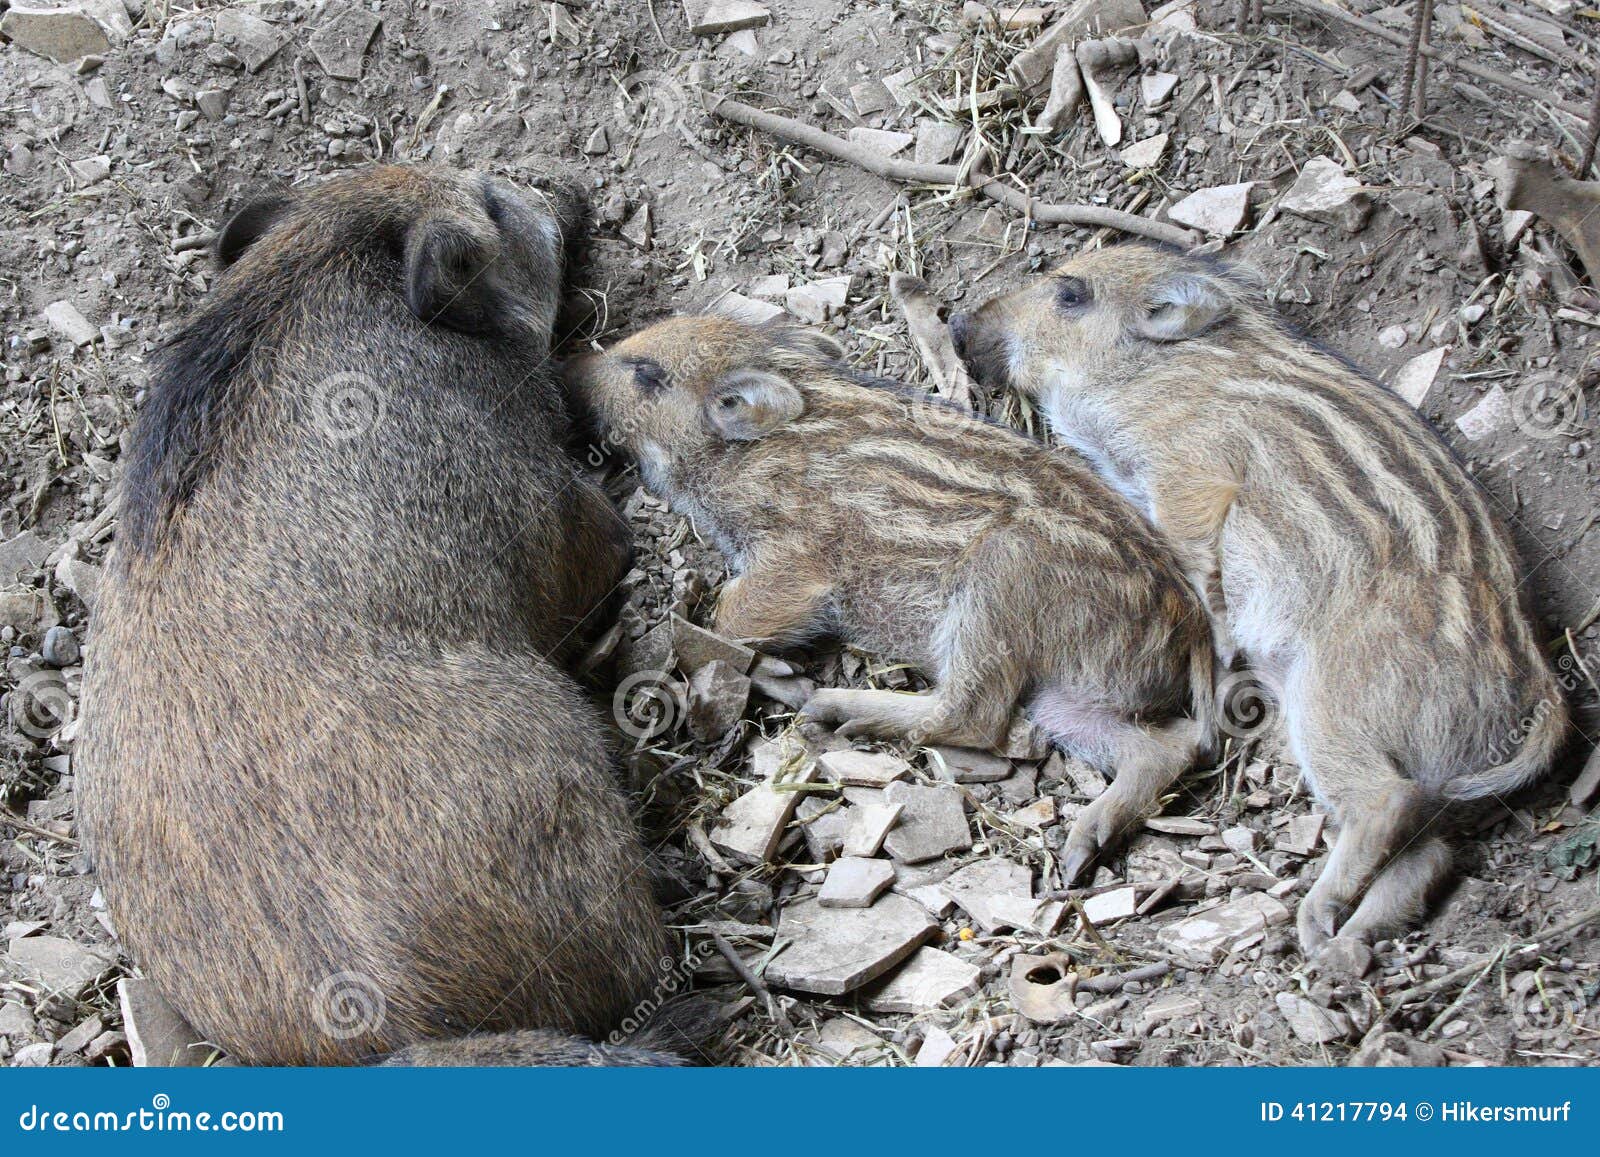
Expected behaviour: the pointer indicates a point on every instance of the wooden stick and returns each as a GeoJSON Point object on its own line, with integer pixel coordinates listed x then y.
{"type": "Point", "coordinates": [13, 820]}
{"type": "Point", "coordinates": [811, 137]}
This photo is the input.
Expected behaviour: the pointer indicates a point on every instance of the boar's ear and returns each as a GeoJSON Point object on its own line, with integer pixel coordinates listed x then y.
{"type": "Point", "coordinates": [249, 225]}
{"type": "Point", "coordinates": [804, 343]}
{"type": "Point", "coordinates": [1182, 306]}
{"type": "Point", "coordinates": [747, 405]}
{"type": "Point", "coordinates": [450, 280]}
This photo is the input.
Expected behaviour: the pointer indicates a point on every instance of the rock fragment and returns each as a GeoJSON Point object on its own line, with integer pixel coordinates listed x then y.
{"type": "Point", "coordinates": [340, 44]}
{"type": "Point", "coordinates": [1413, 380]}
{"type": "Point", "coordinates": [930, 980]}
{"type": "Point", "coordinates": [1310, 1022]}
{"type": "Point", "coordinates": [248, 37]}
{"type": "Point", "coordinates": [1301, 836]}
{"type": "Point", "coordinates": [868, 825]}
{"type": "Point", "coordinates": [1117, 904]}
{"type": "Point", "coordinates": [63, 317]}
{"type": "Point", "coordinates": [751, 827]}
{"type": "Point", "coordinates": [815, 301]}
{"type": "Point", "coordinates": [881, 140]}
{"type": "Point", "coordinates": [639, 230]}
{"type": "Point", "coordinates": [157, 1035]}
{"type": "Point", "coordinates": [718, 695]}
{"type": "Point", "coordinates": [1202, 939]}
{"type": "Point", "coordinates": [696, 646]}
{"type": "Point", "coordinates": [855, 882]}
{"type": "Point", "coordinates": [1220, 210]}
{"type": "Point", "coordinates": [714, 17]}
{"type": "Point", "coordinates": [58, 965]}
{"type": "Point", "coordinates": [863, 768]}
{"type": "Point", "coordinates": [933, 823]}
{"type": "Point", "coordinates": [966, 765]}
{"type": "Point", "coordinates": [1145, 154]}
{"type": "Point", "coordinates": [937, 141]}
{"type": "Point", "coordinates": [1156, 87]}
{"type": "Point", "coordinates": [1493, 412]}
{"type": "Point", "coordinates": [746, 309]}
{"type": "Point", "coordinates": [67, 32]}
{"type": "Point", "coordinates": [833, 951]}
{"type": "Point", "coordinates": [1325, 192]}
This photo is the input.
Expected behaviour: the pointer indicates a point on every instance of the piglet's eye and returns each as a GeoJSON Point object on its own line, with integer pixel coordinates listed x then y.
{"type": "Point", "coordinates": [1072, 292]}
{"type": "Point", "coordinates": [649, 376]}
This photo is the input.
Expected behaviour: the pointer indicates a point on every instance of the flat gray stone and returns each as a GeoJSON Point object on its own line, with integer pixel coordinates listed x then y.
{"type": "Point", "coordinates": [883, 141]}
{"type": "Point", "coordinates": [714, 17]}
{"type": "Point", "coordinates": [868, 825]}
{"type": "Point", "coordinates": [248, 37]}
{"type": "Point", "coordinates": [696, 646]}
{"type": "Point", "coordinates": [855, 882]}
{"type": "Point", "coordinates": [1117, 904]}
{"type": "Point", "coordinates": [16, 1020]}
{"type": "Point", "coordinates": [57, 965]}
{"type": "Point", "coordinates": [937, 141]}
{"type": "Point", "coordinates": [964, 765]}
{"type": "Point", "coordinates": [824, 824]}
{"type": "Point", "coordinates": [751, 827]}
{"type": "Point", "coordinates": [157, 1035]}
{"type": "Point", "coordinates": [69, 31]}
{"type": "Point", "coordinates": [1325, 192]}
{"type": "Point", "coordinates": [815, 301]}
{"type": "Point", "coordinates": [930, 980]}
{"type": "Point", "coordinates": [340, 44]}
{"type": "Point", "coordinates": [22, 555]}
{"type": "Point", "coordinates": [862, 768]}
{"type": "Point", "coordinates": [718, 695]}
{"type": "Point", "coordinates": [1220, 210]}
{"type": "Point", "coordinates": [1311, 1022]}
{"type": "Point", "coordinates": [746, 309]}
{"type": "Point", "coordinates": [933, 823]}
{"type": "Point", "coordinates": [64, 318]}
{"type": "Point", "coordinates": [833, 951]}
{"type": "Point", "coordinates": [976, 886]}
{"type": "Point", "coordinates": [1204, 938]}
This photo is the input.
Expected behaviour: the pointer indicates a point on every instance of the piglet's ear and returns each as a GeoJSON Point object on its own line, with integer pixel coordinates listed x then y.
{"type": "Point", "coordinates": [1181, 307]}
{"type": "Point", "coordinates": [748, 405]}
{"type": "Point", "coordinates": [249, 225]}
{"type": "Point", "coordinates": [450, 276]}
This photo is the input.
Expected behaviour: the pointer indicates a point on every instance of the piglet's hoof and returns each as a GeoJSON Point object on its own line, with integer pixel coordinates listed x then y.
{"type": "Point", "coordinates": [1042, 987]}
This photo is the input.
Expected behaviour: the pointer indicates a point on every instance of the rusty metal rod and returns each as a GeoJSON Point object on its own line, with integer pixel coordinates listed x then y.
{"type": "Point", "coordinates": [1488, 75]}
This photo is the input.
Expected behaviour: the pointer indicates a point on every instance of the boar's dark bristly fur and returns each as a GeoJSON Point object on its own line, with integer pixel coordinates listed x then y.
{"type": "Point", "coordinates": [342, 801]}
